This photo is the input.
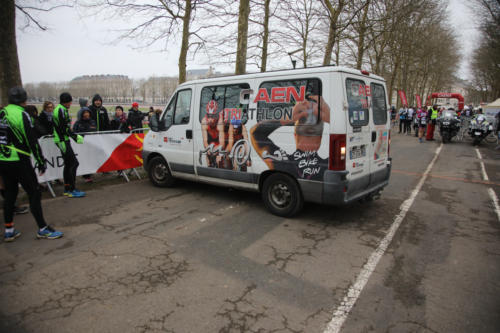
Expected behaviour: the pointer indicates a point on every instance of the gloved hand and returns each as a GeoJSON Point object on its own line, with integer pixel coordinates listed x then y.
{"type": "Point", "coordinates": [79, 139]}
{"type": "Point", "coordinates": [41, 168]}
{"type": "Point", "coordinates": [62, 146]}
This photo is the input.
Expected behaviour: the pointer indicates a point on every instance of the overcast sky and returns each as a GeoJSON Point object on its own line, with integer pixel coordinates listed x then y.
{"type": "Point", "coordinates": [76, 46]}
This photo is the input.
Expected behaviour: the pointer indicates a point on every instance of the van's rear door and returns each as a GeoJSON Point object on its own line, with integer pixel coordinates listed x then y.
{"type": "Point", "coordinates": [380, 126]}
{"type": "Point", "coordinates": [358, 134]}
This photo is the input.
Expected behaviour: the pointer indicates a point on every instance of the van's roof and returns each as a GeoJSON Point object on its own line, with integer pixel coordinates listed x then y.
{"type": "Point", "coordinates": [305, 71]}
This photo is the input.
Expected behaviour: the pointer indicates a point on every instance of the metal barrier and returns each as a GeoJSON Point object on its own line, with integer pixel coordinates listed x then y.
{"type": "Point", "coordinates": [122, 172]}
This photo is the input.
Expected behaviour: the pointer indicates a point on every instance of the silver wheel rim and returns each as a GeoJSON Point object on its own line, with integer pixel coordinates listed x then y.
{"type": "Point", "coordinates": [280, 195]}
{"type": "Point", "coordinates": [160, 172]}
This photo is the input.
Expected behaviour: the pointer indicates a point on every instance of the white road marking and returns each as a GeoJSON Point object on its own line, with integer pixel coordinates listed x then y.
{"type": "Point", "coordinates": [483, 170]}
{"type": "Point", "coordinates": [494, 198]}
{"type": "Point", "coordinates": [345, 307]}
{"type": "Point", "coordinates": [491, 192]}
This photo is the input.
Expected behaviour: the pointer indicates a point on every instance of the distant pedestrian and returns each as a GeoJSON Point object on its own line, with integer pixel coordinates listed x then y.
{"type": "Point", "coordinates": [45, 119]}
{"type": "Point", "coordinates": [409, 120]}
{"type": "Point", "coordinates": [99, 113]}
{"type": "Point", "coordinates": [35, 122]}
{"type": "Point", "coordinates": [155, 124]}
{"type": "Point", "coordinates": [62, 135]}
{"type": "Point", "coordinates": [422, 123]}
{"type": "Point", "coordinates": [85, 125]}
{"type": "Point", "coordinates": [432, 116]}
{"type": "Point", "coordinates": [84, 103]}
{"type": "Point", "coordinates": [119, 121]}
{"type": "Point", "coordinates": [135, 117]}
{"type": "Point", "coordinates": [402, 119]}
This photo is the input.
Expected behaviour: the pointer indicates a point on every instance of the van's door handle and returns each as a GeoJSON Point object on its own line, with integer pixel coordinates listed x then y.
{"type": "Point", "coordinates": [189, 134]}
{"type": "Point", "coordinates": [374, 136]}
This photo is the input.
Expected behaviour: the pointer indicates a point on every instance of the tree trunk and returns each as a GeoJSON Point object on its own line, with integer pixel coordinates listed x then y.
{"type": "Point", "coordinates": [241, 52]}
{"type": "Point", "coordinates": [185, 42]}
{"type": "Point", "coordinates": [332, 29]}
{"type": "Point", "coordinates": [265, 36]}
{"type": "Point", "coordinates": [10, 75]}
{"type": "Point", "coordinates": [361, 39]}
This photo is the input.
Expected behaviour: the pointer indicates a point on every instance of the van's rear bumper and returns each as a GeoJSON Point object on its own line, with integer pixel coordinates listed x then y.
{"type": "Point", "coordinates": [336, 189]}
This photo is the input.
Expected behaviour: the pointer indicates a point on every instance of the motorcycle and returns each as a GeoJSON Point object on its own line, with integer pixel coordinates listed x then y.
{"type": "Point", "coordinates": [479, 128]}
{"type": "Point", "coordinates": [449, 125]}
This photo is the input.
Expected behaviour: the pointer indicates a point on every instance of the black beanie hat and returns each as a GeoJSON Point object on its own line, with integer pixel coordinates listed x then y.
{"type": "Point", "coordinates": [17, 95]}
{"type": "Point", "coordinates": [65, 98]}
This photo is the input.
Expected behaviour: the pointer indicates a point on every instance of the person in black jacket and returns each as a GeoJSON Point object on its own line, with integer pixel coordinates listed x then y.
{"type": "Point", "coordinates": [119, 121]}
{"type": "Point", "coordinates": [135, 117]}
{"type": "Point", "coordinates": [99, 113]}
{"type": "Point", "coordinates": [86, 124]}
{"type": "Point", "coordinates": [35, 122]}
{"type": "Point", "coordinates": [45, 119]}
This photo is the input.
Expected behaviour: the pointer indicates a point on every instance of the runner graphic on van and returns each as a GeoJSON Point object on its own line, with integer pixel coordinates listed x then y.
{"type": "Point", "coordinates": [304, 162]}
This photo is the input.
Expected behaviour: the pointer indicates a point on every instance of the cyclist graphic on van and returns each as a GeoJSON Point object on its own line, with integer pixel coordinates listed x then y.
{"type": "Point", "coordinates": [212, 130]}
{"type": "Point", "coordinates": [304, 162]}
{"type": "Point", "coordinates": [237, 142]}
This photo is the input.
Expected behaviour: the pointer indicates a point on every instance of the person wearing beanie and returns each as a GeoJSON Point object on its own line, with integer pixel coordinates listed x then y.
{"type": "Point", "coordinates": [135, 117]}
{"type": "Point", "coordinates": [17, 144]}
{"type": "Point", "coordinates": [62, 134]}
{"type": "Point", "coordinates": [84, 103]}
{"type": "Point", "coordinates": [99, 113]}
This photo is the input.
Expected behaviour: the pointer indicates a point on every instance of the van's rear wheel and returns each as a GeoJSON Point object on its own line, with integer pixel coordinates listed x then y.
{"type": "Point", "coordinates": [282, 195]}
{"type": "Point", "coordinates": [159, 173]}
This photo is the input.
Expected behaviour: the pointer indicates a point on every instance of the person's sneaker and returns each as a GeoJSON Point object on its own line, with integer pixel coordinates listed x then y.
{"type": "Point", "coordinates": [49, 233]}
{"type": "Point", "coordinates": [74, 194]}
{"type": "Point", "coordinates": [10, 236]}
{"type": "Point", "coordinates": [21, 210]}
{"type": "Point", "coordinates": [80, 192]}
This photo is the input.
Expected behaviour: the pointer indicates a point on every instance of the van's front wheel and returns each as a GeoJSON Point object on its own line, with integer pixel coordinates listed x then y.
{"type": "Point", "coordinates": [282, 195]}
{"type": "Point", "coordinates": [159, 173]}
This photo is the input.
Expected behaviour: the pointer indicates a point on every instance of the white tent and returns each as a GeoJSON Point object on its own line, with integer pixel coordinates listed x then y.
{"type": "Point", "coordinates": [490, 110]}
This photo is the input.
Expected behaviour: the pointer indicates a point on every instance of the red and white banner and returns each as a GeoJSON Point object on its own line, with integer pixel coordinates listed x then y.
{"type": "Point", "coordinates": [419, 101]}
{"type": "Point", "coordinates": [402, 96]}
{"type": "Point", "coordinates": [98, 153]}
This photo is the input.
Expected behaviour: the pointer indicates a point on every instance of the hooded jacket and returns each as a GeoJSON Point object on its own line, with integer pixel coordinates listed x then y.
{"type": "Point", "coordinates": [83, 104]}
{"type": "Point", "coordinates": [99, 114]}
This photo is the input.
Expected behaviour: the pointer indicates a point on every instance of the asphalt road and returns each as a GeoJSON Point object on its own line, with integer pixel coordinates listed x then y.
{"type": "Point", "coordinates": [198, 258]}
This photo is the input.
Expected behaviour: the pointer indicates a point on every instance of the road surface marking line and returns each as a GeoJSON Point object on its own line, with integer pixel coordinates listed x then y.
{"type": "Point", "coordinates": [494, 198]}
{"type": "Point", "coordinates": [465, 180]}
{"type": "Point", "coordinates": [352, 295]}
{"type": "Point", "coordinates": [492, 193]}
{"type": "Point", "coordinates": [483, 170]}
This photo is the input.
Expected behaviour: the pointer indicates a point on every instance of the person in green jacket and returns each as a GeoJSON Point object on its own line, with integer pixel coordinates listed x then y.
{"type": "Point", "coordinates": [62, 134]}
{"type": "Point", "coordinates": [17, 144]}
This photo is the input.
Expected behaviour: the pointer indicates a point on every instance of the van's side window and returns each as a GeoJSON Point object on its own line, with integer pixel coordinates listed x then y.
{"type": "Point", "coordinates": [379, 105]}
{"type": "Point", "coordinates": [357, 99]}
{"type": "Point", "coordinates": [169, 112]}
{"type": "Point", "coordinates": [182, 107]}
{"type": "Point", "coordinates": [226, 97]}
{"type": "Point", "coordinates": [280, 99]}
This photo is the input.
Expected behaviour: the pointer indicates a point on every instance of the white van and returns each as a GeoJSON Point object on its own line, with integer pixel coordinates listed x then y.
{"type": "Point", "coordinates": [317, 134]}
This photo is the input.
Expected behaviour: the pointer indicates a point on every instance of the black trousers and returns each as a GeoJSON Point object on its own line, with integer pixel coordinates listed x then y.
{"type": "Point", "coordinates": [70, 166]}
{"type": "Point", "coordinates": [13, 174]}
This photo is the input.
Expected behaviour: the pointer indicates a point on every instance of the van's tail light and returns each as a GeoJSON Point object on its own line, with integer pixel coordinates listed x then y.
{"type": "Point", "coordinates": [336, 160]}
{"type": "Point", "coordinates": [389, 144]}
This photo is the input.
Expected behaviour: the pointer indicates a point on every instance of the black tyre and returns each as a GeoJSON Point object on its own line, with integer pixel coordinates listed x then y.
{"type": "Point", "coordinates": [281, 195]}
{"type": "Point", "coordinates": [159, 173]}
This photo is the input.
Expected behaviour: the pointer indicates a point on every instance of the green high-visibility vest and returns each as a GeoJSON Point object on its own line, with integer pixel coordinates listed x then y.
{"type": "Point", "coordinates": [13, 118]}
{"type": "Point", "coordinates": [434, 114]}
{"type": "Point", "coordinates": [56, 120]}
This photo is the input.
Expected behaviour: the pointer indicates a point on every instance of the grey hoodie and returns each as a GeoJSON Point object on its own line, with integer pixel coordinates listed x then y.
{"type": "Point", "coordinates": [83, 105]}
